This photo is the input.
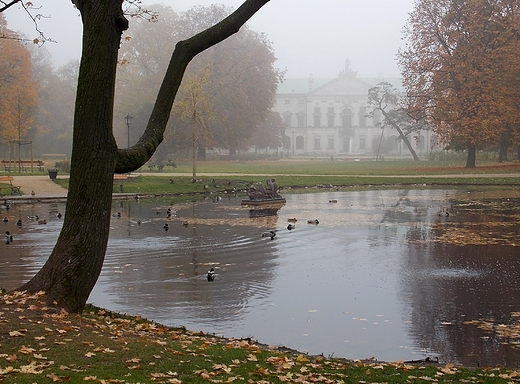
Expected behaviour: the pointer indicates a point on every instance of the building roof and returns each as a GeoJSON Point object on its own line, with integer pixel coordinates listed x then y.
{"type": "Point", "coordinates": [301, 86]}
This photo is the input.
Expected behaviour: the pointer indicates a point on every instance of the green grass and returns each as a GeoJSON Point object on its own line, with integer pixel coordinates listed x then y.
{"type": "Point", "coordinates": [39, 343]}
{"type": "Point", "coordinates": [341, 167]}
{"type": "Point", "coordinates": [298, 175]}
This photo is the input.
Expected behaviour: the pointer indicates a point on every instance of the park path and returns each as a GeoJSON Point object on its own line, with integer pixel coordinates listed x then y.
{"type": "Point", "coordinates": [42, 186]}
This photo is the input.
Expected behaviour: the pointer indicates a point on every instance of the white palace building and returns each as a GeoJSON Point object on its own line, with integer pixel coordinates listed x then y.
{"type": "Point", "coordinates": [328, 117]}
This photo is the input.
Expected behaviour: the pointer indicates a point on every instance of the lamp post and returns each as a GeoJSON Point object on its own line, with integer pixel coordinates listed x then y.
{"type": "Point", "coordinates": [128, 121]}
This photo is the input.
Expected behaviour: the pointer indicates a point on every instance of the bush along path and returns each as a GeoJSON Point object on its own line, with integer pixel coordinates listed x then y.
{"type": "Point", "coordinates": [41, 343]}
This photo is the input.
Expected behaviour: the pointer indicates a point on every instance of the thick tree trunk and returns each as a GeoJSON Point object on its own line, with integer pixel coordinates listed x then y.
{"type": "Point", "coordinates": [504, 146]}
{"type": "Point", "coordinates": [70, 273]}
{"type": "Point", "coordinates": [471, 161]}
{"type": "Point", "coordinates": [73, 268]}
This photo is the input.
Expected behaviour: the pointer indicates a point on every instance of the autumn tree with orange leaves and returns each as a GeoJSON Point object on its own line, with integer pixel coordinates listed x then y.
{"type": "Point", "coordinates": [461, 70]}
{"type": "Point", "coordinates": [19, 92]}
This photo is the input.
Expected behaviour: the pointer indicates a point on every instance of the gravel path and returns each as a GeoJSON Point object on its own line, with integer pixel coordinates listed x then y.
{"type": "Point", "coordinates": [42, 186]}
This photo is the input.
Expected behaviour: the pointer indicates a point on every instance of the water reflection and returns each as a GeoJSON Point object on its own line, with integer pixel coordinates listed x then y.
{"type": "Point", "coordinates": [385, 273]}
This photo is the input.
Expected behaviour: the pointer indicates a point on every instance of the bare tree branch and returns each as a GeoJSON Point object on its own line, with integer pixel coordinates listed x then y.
{"type": "Point", "coordinates": [132, 158]}
{"type": "Point", "coordinates": [6, 4]}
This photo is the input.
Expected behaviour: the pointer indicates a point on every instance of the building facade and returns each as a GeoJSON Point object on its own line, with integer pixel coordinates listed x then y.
{"type": "Point", "coordinates": [328, 117]}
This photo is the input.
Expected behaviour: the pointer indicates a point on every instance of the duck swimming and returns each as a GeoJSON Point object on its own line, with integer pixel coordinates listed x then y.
{"type": "Point", "coordinates": [211, 275]}
{"type": "Point", "coordinates": [8, 238]}
{"type": "Point", "coordinates": [315, 221]}
{"type": "Point", "coordinates": [19, 222]}
{"type": "Point", "coordinates": [270, 234]}
{"type": "Point", "coordinates": [290, 227]}
{"type": "Point", "coordinates": [166, 227]}
{"type": "Point", "coordinates": [5, 220]}
{"type": "Point", "coordinates": [292, 220]}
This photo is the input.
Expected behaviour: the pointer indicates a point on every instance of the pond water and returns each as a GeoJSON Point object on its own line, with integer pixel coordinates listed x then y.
{"type": "Point", "coordinates": [385, 274]}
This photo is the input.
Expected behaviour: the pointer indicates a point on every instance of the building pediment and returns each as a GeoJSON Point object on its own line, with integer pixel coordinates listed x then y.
{"type": "Point", "coordinates": [344, 85]}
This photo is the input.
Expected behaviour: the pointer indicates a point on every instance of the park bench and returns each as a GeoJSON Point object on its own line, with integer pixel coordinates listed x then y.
{"type": "Point", "coordinates": [119, 178]}
{"type": "Point", "coordinates": [8, 164]}
{"type": "Point", "coordinates": [13, 188]}
{"type": "Point", "coordinates": [123, 177]}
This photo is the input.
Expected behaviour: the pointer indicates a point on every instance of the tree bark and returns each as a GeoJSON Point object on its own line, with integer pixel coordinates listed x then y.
{"type": "Point", "coordinates": [471, 161]}
{"type": "Point", "coordinates": [70, 273]}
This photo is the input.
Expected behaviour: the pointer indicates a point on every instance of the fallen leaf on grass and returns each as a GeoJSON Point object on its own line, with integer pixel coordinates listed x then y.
{"type": "Point", "coordinates": [26, 350]}
{"type": "Point", "coordinates": [17, 333]}
{"type": "Point", "coordinates": [134, 360]}
{"type": "Point", "coordinates": [58, 379]}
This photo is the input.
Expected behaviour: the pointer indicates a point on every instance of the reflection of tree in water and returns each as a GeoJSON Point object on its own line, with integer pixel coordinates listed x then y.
{"type": "Point", "coordinates": [445, 286]}
{"type": "Point", "coordinates": [170, 267]}
{"type": "Point", "coordinates": [395, 215]}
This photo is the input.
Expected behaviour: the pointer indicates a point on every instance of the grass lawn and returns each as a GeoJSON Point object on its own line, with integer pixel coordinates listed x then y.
{"type": "Point", "coordinates": [226, 176]}
{"type": "Point", "coordinates": [42, 344]}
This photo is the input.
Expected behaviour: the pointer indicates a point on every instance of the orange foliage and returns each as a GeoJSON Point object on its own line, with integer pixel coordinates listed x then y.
{"type": "Point", "coordinates": [19, 92]}
{"type": "Point", "coordinates": [461, 68]}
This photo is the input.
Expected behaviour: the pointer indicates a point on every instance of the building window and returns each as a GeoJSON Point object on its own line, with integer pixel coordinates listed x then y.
{"type": "Point", "coordinates": [301, 101]}
{"type": "Point", "coordinates": [287, 101]}
{"type": "Point", "coordinates": [317, 144]}
{"type": "Point", "coordinates": [362, 143]}
{"type": "Point", "coordinates": [362, 117]}
{"type": "Point", "coordinates": [287, 119]}
{"type": "Point", "coordinates": [317, 117]}
{"type": "Point", "coordinates": [330, 117]}
{"type": "Point", "coordinates": [346, 118]}
{"type": "Point", "coordinates": [301, 120]}
{"type": "Point", "coordinates": [330, 143]}
{"type": "Point", "coordinates": [299, 142]}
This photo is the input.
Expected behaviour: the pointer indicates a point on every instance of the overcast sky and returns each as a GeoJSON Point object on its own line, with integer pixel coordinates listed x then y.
{"type": "Point", "coordinates": [309, 37]}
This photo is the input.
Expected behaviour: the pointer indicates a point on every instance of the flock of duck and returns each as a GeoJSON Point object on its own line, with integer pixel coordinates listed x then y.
{"type": "Point", "coordinates": [19, 224]}
{"type": "Point", "coordinates": [272, 234]}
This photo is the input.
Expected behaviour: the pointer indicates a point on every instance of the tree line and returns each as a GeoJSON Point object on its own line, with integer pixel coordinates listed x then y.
{"type": "Point", "coordinates": [461, 72]}
{"type": "Point", "coordinates": [237, 81]}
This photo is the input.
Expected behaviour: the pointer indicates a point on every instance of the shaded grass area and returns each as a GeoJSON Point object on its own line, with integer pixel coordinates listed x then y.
{"type": "Point", "coordinates": [41, 343]}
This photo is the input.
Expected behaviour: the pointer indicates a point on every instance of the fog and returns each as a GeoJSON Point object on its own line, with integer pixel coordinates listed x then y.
{"type": "Point", "coordinates": [307, 36]}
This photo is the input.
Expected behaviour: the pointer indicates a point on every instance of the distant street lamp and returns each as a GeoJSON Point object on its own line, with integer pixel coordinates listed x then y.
{"type": "Point", "coordinates": [128, 121]}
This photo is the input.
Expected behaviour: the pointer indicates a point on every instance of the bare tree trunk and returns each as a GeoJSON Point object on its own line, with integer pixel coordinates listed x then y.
{"type": "Point", "coordinates": [408, 144]}
{"type": "Point", "coordinates": [471, 161]}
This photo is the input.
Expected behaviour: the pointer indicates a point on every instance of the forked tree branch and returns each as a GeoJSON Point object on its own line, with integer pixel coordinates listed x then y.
{"type": "Point", "coordinates": [7, 4]}
{"type": "Point", "coordinates": [133, 158]}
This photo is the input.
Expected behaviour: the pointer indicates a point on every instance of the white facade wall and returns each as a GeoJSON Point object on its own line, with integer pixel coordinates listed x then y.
{"type": "Point", "coordinates": [326, 117]}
